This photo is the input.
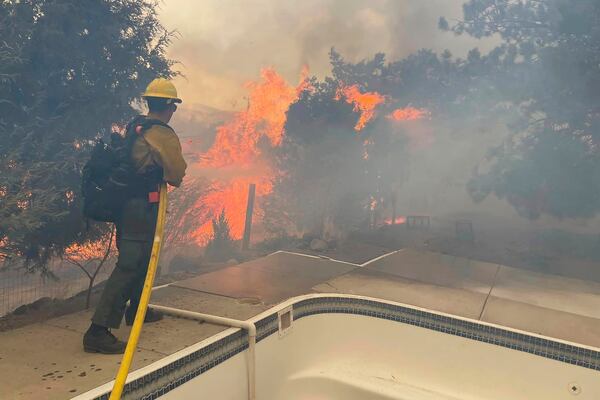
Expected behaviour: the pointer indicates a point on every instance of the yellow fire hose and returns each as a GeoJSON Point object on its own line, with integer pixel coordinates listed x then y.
{"type": "Point", "coordinates": [134, 336]}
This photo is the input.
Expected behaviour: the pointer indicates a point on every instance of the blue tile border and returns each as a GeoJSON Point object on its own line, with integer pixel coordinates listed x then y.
{"type": "Point", "coordinates": [152, 385]}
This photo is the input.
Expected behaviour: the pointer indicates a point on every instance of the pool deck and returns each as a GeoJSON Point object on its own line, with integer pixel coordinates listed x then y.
{"type": "Point", "coordinates": [46, 360]}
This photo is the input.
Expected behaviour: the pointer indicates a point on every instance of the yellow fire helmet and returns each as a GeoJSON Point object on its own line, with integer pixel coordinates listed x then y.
{"type": "Point", "coordinates": [163, 88]}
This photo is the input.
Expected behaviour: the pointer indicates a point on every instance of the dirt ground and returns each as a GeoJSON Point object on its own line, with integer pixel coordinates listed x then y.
{"type": "Point", "coordinates": [47, 308]}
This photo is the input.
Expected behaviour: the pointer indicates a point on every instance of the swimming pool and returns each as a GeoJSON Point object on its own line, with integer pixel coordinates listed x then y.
{"type": "Point", "coordinates": [319, 347]}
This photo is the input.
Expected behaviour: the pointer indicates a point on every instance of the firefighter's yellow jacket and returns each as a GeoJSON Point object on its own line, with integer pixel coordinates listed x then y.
{"type": "Point", "coordinates": [160, 146]}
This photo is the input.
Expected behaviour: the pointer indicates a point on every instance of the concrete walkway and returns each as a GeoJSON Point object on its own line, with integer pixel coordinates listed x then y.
{"type": "Point", "coordinates": [550, 305]}
{"type": "Point", "coordinates": [46, 360]}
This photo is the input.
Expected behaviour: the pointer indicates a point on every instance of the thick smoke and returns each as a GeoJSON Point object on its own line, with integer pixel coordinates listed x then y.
{"type": "Point", "coordinates": [217, 58]}
{"type": "Point", "coordinates": [224, 44]}
{"type": "Point", "coordinates": [442, 152]}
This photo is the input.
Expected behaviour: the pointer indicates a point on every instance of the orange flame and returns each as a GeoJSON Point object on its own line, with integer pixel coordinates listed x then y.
{"type": "Point", "coordinates": [373, 203]}
{"type": "Point", "coordinates": [230, 196]}
{"type": "Point", "coordinates": [368, 143]}
{"type": "Point", "coordinates": [3, 245]}
{"type": "Point", "coordinates": [90, 250]}
{"type": "Point", "coordinates": [237, 141]}
{"type": "Point", "coordinates": [408, 114]}
{"type": "Point", "coordinates": [365, 103]}
{"type": "Point", "coordinates": [420, 136]}
{"type": "Point", "coordinates": [237, 158]}
{"type": "Point", "coordinates": [398, 221]}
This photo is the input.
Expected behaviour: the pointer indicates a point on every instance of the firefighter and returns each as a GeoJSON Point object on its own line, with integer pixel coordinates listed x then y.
{"type": "Point", "coordinates": [157, 157]}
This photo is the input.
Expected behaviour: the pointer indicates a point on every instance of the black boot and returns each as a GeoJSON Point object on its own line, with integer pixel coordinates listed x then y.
{"type": "Point", "coordinates": [98, 339]}
{"type": "Point", "coordinates": [151, 316]}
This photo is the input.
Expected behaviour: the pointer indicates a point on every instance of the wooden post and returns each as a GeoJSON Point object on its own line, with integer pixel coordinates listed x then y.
{"type": "Point", "coordinates": [249, 211]}
{"type": "Point", "coordinates": [394, 202]}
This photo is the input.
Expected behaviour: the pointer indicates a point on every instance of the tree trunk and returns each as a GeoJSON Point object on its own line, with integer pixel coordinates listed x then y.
{"type": "Point", "coordinates": [89, 292]}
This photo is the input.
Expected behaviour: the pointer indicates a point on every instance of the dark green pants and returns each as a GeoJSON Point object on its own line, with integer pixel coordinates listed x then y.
{"type": "Point", "coordinates": [135, 231]}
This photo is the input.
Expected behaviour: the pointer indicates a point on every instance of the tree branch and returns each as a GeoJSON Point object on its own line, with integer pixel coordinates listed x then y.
{"type": "Point", "coordinates": [77, 263]}
{"type": "Point", "coordinates": [106, 253]}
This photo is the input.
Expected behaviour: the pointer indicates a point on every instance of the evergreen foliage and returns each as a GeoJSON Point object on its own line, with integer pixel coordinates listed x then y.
{"type": "Point", "coordinates": [69, 71]}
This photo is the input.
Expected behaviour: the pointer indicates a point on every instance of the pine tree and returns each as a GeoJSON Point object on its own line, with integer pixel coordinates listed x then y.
{"type": "Point", "coordinates": [221, 246]}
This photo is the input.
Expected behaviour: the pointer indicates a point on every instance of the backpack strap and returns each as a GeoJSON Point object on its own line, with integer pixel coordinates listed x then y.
{"type": "Point", "coordinates": [136, 128]}
{"type": "Point", "coordinates": [147, 123]}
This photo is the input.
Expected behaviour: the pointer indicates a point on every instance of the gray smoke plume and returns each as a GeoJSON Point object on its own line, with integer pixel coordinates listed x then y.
{"type": "Point", "coordinates": [222, 45]}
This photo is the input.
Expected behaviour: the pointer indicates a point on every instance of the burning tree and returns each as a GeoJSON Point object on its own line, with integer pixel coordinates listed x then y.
{"type": "Point", "coordinates": [330, 154]}
{"type": "Point", "coordinates": [242, 153]}
{"type": "Point", "coordinates": [345, 149]}
{"type": "Point", "coordinates": [320, 156]}
{"type": "Point", "coordinates": [90, 257]}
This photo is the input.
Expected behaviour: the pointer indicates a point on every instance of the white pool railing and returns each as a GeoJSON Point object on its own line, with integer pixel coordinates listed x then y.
{"type": "Point", "coordinates": [246, 325]}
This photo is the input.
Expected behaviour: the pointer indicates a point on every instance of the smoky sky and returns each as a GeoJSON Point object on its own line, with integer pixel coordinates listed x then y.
{"type": "Point", "coordinates": [221, 44]}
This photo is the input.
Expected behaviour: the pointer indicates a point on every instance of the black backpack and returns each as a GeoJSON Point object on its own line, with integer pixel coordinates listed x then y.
{"type": "Point", "coordinates": [109, 178]}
